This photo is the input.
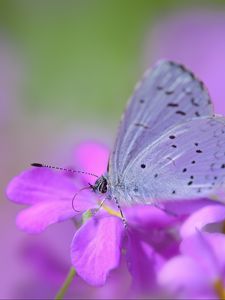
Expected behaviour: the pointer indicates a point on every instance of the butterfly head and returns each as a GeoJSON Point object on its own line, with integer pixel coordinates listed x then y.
{"type": "Point", "coordinates": [101, 185]}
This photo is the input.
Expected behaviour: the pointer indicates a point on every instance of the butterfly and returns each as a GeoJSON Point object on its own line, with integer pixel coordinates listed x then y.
{"type": "Point", "coordinates": [170, 145]}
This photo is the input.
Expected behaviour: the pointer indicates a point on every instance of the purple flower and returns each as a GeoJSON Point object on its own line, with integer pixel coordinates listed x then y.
{"type": "Point", "coordinates": [97, 245]}
{"type": "Point", "coordinates": [102, 243]}
{"type": "Point", "coordinates": [199, 271]}
{"type": "Point", "coordinates": [50, 193]}
{"type": "Point", "coordinates": [204, 219]}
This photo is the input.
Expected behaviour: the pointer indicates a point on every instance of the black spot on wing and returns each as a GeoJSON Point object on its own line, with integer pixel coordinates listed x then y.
{"type": "Point", "coordinates": [172, 137]}
{"type": "Point", "coordinates": [180, 112]}
{"type": "Point", "coordinates": [198, 151]}
{"type": "Point", "coordinates": [169, 92]}
{"type": "Point", "coordinates": [172, 104]}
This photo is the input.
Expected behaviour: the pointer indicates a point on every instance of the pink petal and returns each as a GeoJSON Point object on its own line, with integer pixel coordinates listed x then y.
{"type": "Point", "coordinates": [149, 216]}
{"type": "Point", "coordinates": [207, 215]}
{"type": "Point", "coordinates": [92, 157]}
{"type": "Point", "coordinates": [95, 249]}
{"type": "Point", "coordinates": [37, 217]}
{"type": "Point", "coordinates": [37, 185]}
{"type": "Point", "coordinates": [203, 248]}
{"type": "Point", "coordinates": [143, 262]}
{"type": "Point", "coordinates": [182, 275]}
{"type": "Point", "coordinates": [214, 240]}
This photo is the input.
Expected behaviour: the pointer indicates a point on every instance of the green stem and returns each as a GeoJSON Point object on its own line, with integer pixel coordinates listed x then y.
{"type": "Point", "coordinates": [61, 293]}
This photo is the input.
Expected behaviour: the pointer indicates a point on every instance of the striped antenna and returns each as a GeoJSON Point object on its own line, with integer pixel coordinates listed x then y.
{"type": "Point", "coordinates": [38, 165]}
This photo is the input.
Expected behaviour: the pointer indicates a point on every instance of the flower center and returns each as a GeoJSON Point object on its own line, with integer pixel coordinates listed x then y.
{"type": "Point", "coordinates": [111, 211]}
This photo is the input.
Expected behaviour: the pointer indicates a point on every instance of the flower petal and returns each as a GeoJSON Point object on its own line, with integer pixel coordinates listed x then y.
{"type": "Point", "coordinates": [95, 249]}
{"type": "Point", "coordinates": [37, 217]}
{"type": "Point", "coordinates": [145, 219]}
{"type": "Point", "coordinates": [182, 275]}
{"type": "Point", "coordinates": [41, 184]}
{"type": "Point", "coordinates": [143, 262]}
{"type": "Point", "coordinates": [203, 248]}
{"type": "Point", "coordinates": [92, 157]}
{"type": "Point", "coordinates": [198, 220]}
{"type": "Point", "coordinates": [148, 216]}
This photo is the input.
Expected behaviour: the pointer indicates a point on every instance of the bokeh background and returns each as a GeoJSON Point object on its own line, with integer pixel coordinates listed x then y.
{"type": "Point", "coordinates": [67, 69]}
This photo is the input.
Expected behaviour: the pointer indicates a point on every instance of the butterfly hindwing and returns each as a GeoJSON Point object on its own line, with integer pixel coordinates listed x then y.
{"type": "Point", "coordinates": [187, 161]}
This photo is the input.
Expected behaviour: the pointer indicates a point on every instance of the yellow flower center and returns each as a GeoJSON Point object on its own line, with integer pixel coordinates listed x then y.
{"type": "Point", "coordinates": [111, 211]}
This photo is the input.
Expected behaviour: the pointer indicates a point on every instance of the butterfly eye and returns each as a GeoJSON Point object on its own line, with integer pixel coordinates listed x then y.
{"type": "Point", "coordinates": [103, 186]}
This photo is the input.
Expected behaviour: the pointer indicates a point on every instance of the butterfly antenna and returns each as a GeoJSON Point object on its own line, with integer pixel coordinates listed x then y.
{"type": "Point", "coordinates": [38, 165]}
{"type": "Point", "coordinates": [74, 197]}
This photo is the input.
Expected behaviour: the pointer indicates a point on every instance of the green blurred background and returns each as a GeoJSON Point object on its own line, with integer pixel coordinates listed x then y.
{"type": "Point", "coordinates": [71, 66]}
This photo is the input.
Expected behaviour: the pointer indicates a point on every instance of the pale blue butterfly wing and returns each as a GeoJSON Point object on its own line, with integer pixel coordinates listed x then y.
{"type": "Point", "coordinates": [187, 161]}
{"type": "Point", "coordinates": [166, 96]}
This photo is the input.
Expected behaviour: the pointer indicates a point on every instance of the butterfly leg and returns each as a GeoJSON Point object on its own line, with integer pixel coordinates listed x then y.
{"type": "Point", "coordinates": [122, 215]}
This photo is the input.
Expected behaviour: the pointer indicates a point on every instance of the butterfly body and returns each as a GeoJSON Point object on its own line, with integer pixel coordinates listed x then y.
{"type": "Point", "coordinates": [170, 145]}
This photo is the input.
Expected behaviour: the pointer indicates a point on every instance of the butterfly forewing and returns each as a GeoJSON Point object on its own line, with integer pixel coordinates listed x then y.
{"type": "Point", "coordinates": [168, 95]}
{"type": "Point", "coordinates": [187, 161]}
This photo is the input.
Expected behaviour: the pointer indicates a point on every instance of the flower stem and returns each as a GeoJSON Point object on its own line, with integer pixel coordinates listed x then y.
{"type": "Point", "coordinates": [61, 293]}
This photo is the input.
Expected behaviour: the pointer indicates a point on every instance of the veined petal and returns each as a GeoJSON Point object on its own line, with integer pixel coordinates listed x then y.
{"type": "Point", "coordinates": [39, 185]}
{"type": "Point", "coordinates": [37, 217]}
{"type": "Point", "coordinates": [95, 249]}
